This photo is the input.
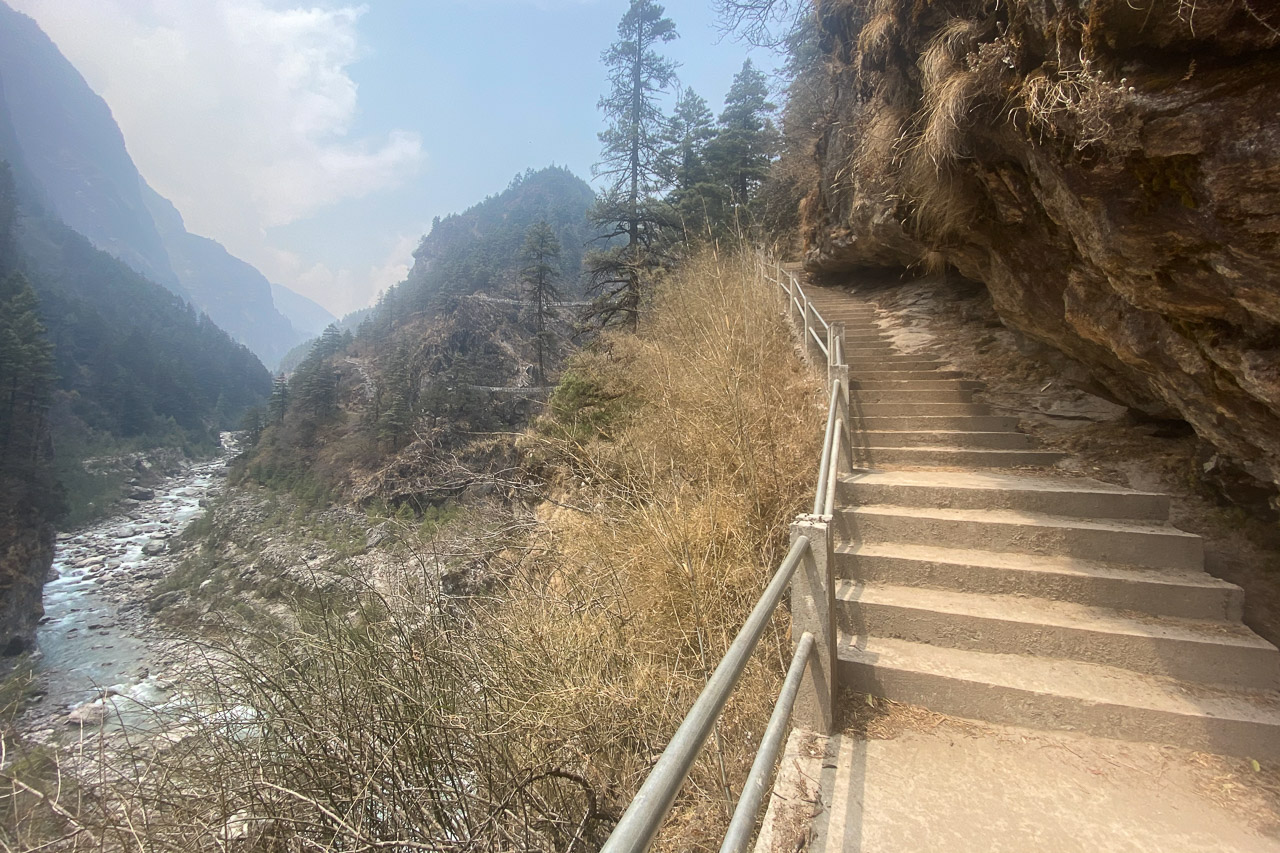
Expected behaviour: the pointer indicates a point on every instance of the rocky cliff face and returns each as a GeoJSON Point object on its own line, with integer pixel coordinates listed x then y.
{"type": "Point", "coordinates": [25, 559]}
{"type": "Point", "coordinates": [1109, 169]}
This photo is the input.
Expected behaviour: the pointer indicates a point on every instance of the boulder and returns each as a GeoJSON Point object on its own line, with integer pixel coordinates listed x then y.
{"type": "Point", "coordinates": [154, 547]}
{"type": "Point", "coordinates": [167, 599]}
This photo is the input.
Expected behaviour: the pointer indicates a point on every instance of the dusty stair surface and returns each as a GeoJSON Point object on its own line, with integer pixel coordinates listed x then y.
{"type": "Point", "coordinates": [975, 582]}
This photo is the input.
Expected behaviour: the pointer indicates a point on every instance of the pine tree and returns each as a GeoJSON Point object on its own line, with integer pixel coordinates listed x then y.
{"type": "Point", "coordinates": [740, 154]}
{"type": "Point", "coordinates": [631, 159]}
{"type": "Point", "coordinates": [541, 269]}
{"type": "Point", "coordinates": [278, 405]}
{"type": "Point", "coordinates": [695, 198]}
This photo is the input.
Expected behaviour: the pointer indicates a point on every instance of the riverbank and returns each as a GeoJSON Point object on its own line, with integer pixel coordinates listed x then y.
{"type": "Point", "coordinates": [98, 651]}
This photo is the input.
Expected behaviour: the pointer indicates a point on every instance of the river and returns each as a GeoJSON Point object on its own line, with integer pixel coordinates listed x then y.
{"type": "Point", "coordinates": [93, 640]}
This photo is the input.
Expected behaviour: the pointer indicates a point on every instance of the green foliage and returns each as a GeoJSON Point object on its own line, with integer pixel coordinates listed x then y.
{"type": "Point", "coordinates": [696, 199]}
{"type": "Point", "coordinates": [739, 155]}
{"type": "Point", "coordinates": [583, 407]}
{"type": "Point", "coordinates": [541, 251]}
{"type": "Point", "coordinates": [479, 250]}
{"type": "Point", "coordinates": [28, 489]}
{"type": "Point", "coordinates": [130, 356]}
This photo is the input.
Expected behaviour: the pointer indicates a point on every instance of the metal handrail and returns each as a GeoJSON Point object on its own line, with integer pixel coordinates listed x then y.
{"type": "Point", "coordinates": [824, 464]}
{"type": "Point", "coordinates": [833, 469]}
{"type": "Point", "coordinates": [744, 816]}
{"type": "Point", "coordinates": [635, 831]}
{"type": "Point", "coordinates": [640, 822]}
{"type": "Point", "coordinates": [818, 339]}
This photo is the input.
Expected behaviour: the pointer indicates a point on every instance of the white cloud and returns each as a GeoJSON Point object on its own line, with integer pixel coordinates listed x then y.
{"type": "Point", "coordinates": [240, 111]}
{"type": "Point", "coordinates": [342, 290]}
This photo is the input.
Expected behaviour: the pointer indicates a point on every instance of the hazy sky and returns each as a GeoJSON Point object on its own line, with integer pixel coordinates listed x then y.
{"type": "Point", "coordinates": [317, 140]}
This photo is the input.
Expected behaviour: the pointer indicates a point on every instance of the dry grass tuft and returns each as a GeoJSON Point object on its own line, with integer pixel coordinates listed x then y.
{"type": "Point", "coordinates": [1078, 104]}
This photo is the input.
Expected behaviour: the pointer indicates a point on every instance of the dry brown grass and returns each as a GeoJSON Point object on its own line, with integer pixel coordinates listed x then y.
{"type": "Point", "coordinates": [691, 500]}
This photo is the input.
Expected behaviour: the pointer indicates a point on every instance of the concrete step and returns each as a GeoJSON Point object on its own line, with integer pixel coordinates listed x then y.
{"type": "Point", "coordinates": [912, 395]}
{"type": "Point", "coordinates": [894, 375]}
{"type": "Point", "coordinates": [1133, 543]}
{"type": "Point", "coordinates": [932, 423]}
{"type": "Point", "coordinates": [1060, 496]}
{"type": "Point", "coordinates": [964, 457]}
{"type": "Point", "coordinates": [1157, 592]}
{"type": "Point", "coordinates": [1064, 695]}
{"type": "Point", "coordinates": [943, 438]}
{"type": "Point", "coordinates": [1209, 652]}
{"type": "Point", "coordinates": [913, 384]}
{"type": "Point", "coordinates": [890, 410]}
{"type": "Point", "coordinates": [859, 366]}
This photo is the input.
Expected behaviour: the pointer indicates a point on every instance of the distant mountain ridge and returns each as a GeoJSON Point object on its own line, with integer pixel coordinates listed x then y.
{"type": "Point", "coordinates": [307, 316]}
{"type": "Point", "coordinates": [69, 157]}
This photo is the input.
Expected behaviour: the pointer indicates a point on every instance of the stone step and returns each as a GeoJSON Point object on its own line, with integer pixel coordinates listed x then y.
{"type": "Point", "coordinates": [943, 438]}
{"type": "Point", "coordinates": [1064, 695]}
{"type": "Point", "coordinates": [1158, 592]}
{"type": "Point", "coordinates": [913, 384]}
{"type": "Point", "coordinates": [912, 395]}
{"type": "Point", "coordinates": [1059, 496]}
{"type": "Point", "coordinates": [969, 457]}
{"type": "Point", "coordinates": [890, 410]}
{"type": "Point", "coordinates": [1133, 543]}
{"type": "Point", "coordinates": [933, 423]}
{"type": "Point", "coordinates": [1209, 652]}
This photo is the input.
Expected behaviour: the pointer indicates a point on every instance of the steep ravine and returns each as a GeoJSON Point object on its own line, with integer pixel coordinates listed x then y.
{"type": "Point", "coordinates": [1108, 170]}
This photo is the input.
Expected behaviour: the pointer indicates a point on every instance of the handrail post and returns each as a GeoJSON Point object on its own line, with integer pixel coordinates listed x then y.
{"type": "Point", "coordinates": [813, 609]}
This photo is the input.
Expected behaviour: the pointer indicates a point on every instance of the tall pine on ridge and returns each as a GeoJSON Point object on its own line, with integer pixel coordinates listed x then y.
{"type": "Point", "coordinates": [632, 160]}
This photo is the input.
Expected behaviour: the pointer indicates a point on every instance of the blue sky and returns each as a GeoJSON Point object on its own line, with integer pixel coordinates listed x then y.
{"type": "Point", "coordinates": [317, 140]}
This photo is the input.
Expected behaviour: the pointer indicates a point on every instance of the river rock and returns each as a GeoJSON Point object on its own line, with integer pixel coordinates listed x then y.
{"type": "Point", "coordinates": [154, 547]}
{"type": "Point", "coordinates": [140, 494]}
{"type": "Point", "coordinates": [167, 599]}
{"type": "Point", "coordinates": [88, 714]}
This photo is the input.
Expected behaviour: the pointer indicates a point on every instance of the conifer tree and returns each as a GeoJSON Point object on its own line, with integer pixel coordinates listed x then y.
{"type": "Point", "coordinates": [278, 404]}
{"type": "Point", "coordinates": [740, 154]}
{"type": "Point", "coordinates": [631, 159]}
{"type": "Point", "coordinates": [695, 198]}
{"type": "Point", "coordinates": [541, 257]}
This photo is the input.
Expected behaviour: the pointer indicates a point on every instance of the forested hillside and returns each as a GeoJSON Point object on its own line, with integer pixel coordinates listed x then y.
{"type": "Point", "coordinates": [378, 414]}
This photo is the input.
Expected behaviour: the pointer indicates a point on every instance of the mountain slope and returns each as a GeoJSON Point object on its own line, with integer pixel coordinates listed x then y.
{"type": "Point", "coordinates": [306, 316]}
{"type": "Point", "coordinates": [71, 159]}
{"type": "Point", "coordinates": [234, 294]}
{"type": "Point", "coordinates": [381, 415]}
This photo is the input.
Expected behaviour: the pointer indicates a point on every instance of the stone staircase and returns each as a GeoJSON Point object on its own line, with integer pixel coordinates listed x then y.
{"type": "Point", "coordinates": [976, 584]}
